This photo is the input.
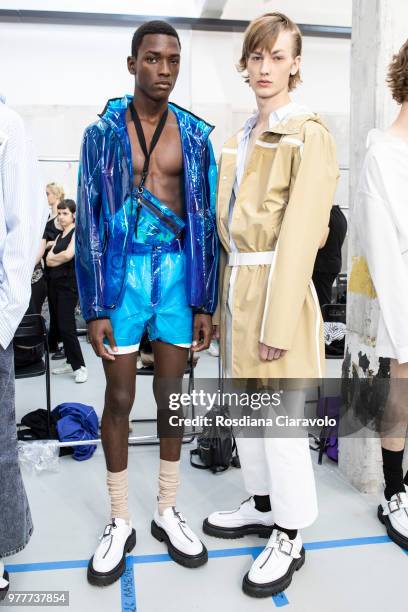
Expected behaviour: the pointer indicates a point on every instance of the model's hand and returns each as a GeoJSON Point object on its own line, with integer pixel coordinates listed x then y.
{"type": "Point", "coordinates": [269, 353]}
{"type": "Point", "coordinates": [216, 332]}
{"type": "Point", "coordinates": [202, 332]}
{"type": "Point", "coordinates": [97, 331]}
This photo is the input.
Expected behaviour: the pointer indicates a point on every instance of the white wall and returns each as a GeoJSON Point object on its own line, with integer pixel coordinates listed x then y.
{"type": "Point", "coordinates": [60, 76]}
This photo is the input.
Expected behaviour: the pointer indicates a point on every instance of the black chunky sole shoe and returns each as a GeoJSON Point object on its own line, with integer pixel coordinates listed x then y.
{"type": "Point", "coordinates": [230, 533]}
{"type": "Point", "coordinates": [102, 579]}
{"type": "Point", "coordinates": [4, 591]}
{"type": "Point", "coordinates": [176, 554]}
{"type": "Point", "coordinates": [392, 533]}
{"type": "Point", "coordinates": [268, 589]}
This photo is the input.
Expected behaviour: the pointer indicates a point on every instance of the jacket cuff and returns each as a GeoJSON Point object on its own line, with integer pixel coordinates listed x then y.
{"type": "Point", "coordinates": [201, 311]}
{"type": "Point", "coordinates": [96, 319]}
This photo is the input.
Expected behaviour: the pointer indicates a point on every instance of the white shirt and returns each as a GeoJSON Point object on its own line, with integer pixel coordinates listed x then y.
{"type": "Point", "coordinates": [380, 216]}
{"type": "Point", "coordinates": [23, 214]}
{"type": "Point", "coordinates": [284, 112]}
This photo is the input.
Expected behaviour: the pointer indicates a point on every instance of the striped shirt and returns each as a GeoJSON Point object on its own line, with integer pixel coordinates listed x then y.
{"type": "Point", "coordinates": [23, 214]}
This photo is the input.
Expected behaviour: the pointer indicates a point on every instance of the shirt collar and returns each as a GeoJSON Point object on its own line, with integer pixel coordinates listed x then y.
{"type": "Point", "coordinates": [275, 117]}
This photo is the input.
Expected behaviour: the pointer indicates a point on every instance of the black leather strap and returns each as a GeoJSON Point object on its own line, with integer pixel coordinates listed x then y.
{"type": "Point", "coordinates": [142, 140]}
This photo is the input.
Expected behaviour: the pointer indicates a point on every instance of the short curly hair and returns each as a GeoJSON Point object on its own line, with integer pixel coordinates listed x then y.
{"type": "Point", "coordinates": [397, 78]}
{"type": "Point", "coordinates": [262, 33]}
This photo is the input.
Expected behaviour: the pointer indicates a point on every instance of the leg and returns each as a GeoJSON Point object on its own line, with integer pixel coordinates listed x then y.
{"type": "Point", "coordinates": [168, 524]}
{"type": "Point", "coordinates": [108, 562]}
{"type": "Point", "coordinates": [393, 509]}
{"type": "Point", "coordinates": [53, 332]}
{"type": "Point", "coordinates": [294, 504]}
{"type": "Point", "coordinates": [119, 397]}
{"type": "Point", "coordinates": [16, 524]}
{"type": "Point", "coordinates": [67, 298]}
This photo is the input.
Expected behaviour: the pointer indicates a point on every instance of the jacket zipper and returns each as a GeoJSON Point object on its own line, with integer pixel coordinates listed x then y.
{"type": "Point", "coordinates": [176, 230]}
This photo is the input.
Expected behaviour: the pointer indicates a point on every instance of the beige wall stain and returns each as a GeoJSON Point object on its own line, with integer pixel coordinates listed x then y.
{"type": "Point", "coordinates": [360, 279]}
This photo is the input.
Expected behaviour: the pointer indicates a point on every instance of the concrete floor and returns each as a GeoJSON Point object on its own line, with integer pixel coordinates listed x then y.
{"type": "Point", "coordinates": [350, 563]}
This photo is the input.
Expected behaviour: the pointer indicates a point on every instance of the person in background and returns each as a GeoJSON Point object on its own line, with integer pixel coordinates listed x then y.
{"type": "Point", "coordinates": [63, 290]}
{"type": "Point", "coordinates": [380, 218]}
{"type": "Point", "coordinates": [55, 194]}
{"type": "Point", "coordinates": [23, 214]}
{"type": "Point", "coordinates": [328, 260]}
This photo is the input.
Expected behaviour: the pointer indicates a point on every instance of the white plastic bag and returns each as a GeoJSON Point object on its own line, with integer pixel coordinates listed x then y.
{"type": "Point", "coordinates": [39, 455]}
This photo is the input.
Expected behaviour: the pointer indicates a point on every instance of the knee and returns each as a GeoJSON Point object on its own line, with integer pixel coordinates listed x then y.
{"type": "Point", "coordinates": [119, 403]}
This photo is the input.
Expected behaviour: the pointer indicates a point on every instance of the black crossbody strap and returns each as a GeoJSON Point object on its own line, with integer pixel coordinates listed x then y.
{"type": "Point", "coordinates": [142, 140]}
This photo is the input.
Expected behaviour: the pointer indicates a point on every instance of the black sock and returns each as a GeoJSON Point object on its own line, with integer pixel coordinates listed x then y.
{"type": "Point", "coordinates": [292, 533]}
{"type": "Point", "coordinates": [406, 478]}
{"type": "Point", "coordinates": [393, 476]}
{"type": "Point", "coordinates": [262, 503]}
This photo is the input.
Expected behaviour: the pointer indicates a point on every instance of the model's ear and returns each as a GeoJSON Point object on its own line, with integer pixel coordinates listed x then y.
{"type": "Point", "coordinates": [295, 66]}
{"type": "Point", "coordinates": [131, 64]}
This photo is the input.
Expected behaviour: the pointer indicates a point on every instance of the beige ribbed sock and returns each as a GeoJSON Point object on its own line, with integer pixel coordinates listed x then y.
{"type": "Point", "coordinates": [168, 484]}
{"type": "Point", "coordinates": [118, 492]}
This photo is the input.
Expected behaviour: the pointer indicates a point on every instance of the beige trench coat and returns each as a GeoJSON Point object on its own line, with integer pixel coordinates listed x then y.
{"type": "Point", "coordinates": [283, 205]}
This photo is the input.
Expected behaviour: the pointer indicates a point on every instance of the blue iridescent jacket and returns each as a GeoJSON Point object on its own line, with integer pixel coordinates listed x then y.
{"type": "Point", "coordinates": [105, 220]}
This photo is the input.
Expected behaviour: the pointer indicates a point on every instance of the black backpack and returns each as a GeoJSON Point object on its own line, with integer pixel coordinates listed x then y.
{"type": "Point", "coordinates": [216, 446]}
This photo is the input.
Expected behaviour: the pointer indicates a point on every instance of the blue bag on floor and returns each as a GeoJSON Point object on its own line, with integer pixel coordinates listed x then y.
{"type": "Point", "coordinates": [77, 422]}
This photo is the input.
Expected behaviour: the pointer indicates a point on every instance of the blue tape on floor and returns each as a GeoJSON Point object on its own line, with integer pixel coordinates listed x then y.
{"type": "Point", "coordinates": [149, 558]}
{"type": "Point", "coordinates": [52, 565]}
{"type": "Point", "coordinates": [226, 552]}
{"type": "Point", "coordinates": [280, 600]}
{"type": "Point", "coordinates": [127, 587]}
{"type": "Point", "coordinates": [344, 543]}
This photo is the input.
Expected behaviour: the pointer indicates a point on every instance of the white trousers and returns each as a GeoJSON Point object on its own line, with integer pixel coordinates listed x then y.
{"type": "Point", "coordinates": [280, 467]}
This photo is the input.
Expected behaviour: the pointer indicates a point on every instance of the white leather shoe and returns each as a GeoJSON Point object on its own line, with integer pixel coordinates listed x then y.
{"type": "Point", "coordinates": [272, 571]}
{"type": "Point", "coordinates": [64, 369]}
{"type": "Point", "coordinates": [394, 515]}
{"type": "Point", "coordinates": [81, 375]}
{"type": "Point", "coordinates": [183, 545]}
{"type": "Point", "coordinates": [245, 520]}
{"type": "Point", "coordinates": [108, 563]}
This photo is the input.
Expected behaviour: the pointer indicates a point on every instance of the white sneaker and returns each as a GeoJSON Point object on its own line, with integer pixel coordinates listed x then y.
{"type": "Point", "coordinates": [245, 520]}
{"type": "Point", "coordinates": [394, 515]}
{"type": "Point", "coordinates": [81, 375]}
{"type": "Point", "coordinates": [214, 349]}
{"type": "Point", "coordinates": [64, 369]}
{"type": "Point", "coordinates": [272, 570]}
{"type": "Point", "coordinates": [4, 582]}
{"type": "Point", "coordinates": [108, 563]}
{"type": "Point", "coordinates": [183, 546]}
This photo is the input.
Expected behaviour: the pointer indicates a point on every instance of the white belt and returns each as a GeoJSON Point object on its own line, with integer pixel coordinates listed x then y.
{"type": "Point", "coordinates": [251, 259]}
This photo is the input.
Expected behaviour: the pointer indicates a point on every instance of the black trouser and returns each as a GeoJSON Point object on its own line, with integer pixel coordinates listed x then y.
{"type": "Point", "coordinates": [54, 334]}
{"type": "Point", "coordinates": [38, 295]}
{"type": "Point", "coordinates": [323, 282]}
{"type": "Point", "coordinates": [64, 296]}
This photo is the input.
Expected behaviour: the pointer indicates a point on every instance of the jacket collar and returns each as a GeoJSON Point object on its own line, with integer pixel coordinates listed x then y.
{"type": "Point", "coordinates": [114, 115]}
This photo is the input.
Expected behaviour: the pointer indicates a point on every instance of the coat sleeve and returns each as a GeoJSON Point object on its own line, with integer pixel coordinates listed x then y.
{"type": "Point", "coordinates": [380, 246]}
{"type": "Point", "coordinates": [305, 221]}
{"type": "Point", "coordinates": [88, 243]}
{"type": "Point", "coordinates": [211, 247]}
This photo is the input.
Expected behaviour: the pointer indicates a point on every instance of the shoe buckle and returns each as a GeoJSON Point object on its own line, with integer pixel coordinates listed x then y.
{"type": "Point", "coordinates": [394, 505]}
{"type": "Point", "coordinates": [285, 547]}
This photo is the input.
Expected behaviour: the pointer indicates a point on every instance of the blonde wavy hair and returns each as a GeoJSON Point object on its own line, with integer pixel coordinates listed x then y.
{"type": "Point", "coordinates": [57, 190]}
{"type": "Point", "coordinates": [397, 78]}
{"type": "Point", "coordinates": [262, 34]}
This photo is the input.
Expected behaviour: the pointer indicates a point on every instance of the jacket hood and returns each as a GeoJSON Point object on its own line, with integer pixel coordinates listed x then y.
{"type": "Point", "coordinates": [294, 124]}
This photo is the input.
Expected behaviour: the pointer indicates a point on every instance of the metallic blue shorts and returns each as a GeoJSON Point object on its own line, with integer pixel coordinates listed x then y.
{"type": "Point", "coordinates": [154, 297]}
